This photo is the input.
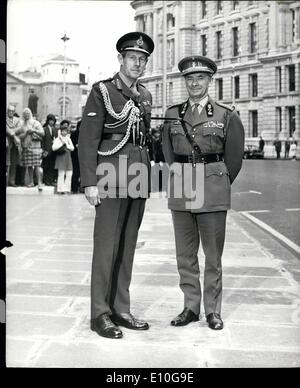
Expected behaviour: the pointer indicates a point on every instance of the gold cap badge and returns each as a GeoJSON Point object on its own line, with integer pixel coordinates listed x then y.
{"type": "Point", "coordinates": [140, 41]}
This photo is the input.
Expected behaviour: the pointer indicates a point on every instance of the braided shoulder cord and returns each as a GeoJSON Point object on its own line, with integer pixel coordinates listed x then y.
{"type": "Point", "coordinates": [132, 119]}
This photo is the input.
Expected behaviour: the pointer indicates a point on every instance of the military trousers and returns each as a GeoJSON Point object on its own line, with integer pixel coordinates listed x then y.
{"type": "Point", "coordinates": [116, 227]}
{"type": "Point", "coordinates": [189, 228]}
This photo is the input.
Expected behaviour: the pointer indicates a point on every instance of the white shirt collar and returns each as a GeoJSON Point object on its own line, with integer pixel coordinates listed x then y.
{"type": "Point", "coordinates": [201, 103]}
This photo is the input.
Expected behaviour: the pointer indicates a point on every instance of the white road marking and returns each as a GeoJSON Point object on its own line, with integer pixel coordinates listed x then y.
{"type": "Point", "coordinates": [257, 211]}
{"type": "Point", "coordinates": [272, 231]}
{"type": "Point", "coordinates": [241, 192]}
{"type": "Point", "coordinates": [247, 192]}
{"type": "Point", "coordinates": [293, 210]}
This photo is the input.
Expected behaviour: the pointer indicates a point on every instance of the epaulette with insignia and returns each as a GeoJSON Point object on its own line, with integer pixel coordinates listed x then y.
{"type": "Point", "coordinates": [102, 80]}
{"type": "Point", "coordinates": [231, 108]}
{"type": "Point", "coordinates": [174, 106]}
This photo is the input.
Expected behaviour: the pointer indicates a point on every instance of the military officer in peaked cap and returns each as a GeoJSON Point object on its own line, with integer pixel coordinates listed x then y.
{"type": "Point", "coordinates": [113, 135]}
{"type": "Point", "coordinates": [203, 144]}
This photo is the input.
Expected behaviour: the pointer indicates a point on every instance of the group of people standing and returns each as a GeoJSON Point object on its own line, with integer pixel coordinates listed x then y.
{"type": "Point", "coordinates": [290, 148]}
{"type": "Point", "coordinates": [41, 154]}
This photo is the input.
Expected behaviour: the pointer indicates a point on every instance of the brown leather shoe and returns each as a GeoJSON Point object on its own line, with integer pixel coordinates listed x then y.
{"type": "Point", "coordinates": [127, 320]}
{"type": "Point", "coordinates": [185, 318]}
{"type": "Point", "coordinates": [214, 321]}
{"type": "Point", "coordinates": [104, 327]}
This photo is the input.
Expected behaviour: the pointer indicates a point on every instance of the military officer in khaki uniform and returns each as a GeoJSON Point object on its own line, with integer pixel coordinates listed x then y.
{"type": "Point", "coordinates": [203, 144]}
{"type": "Point", "coordinates": [114, 169]}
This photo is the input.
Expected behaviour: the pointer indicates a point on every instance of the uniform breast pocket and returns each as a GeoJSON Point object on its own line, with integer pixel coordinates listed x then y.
{"type": "Point", "coordinates": [179, 142]}
{"type": "Point", "coordinates": [213, 140]}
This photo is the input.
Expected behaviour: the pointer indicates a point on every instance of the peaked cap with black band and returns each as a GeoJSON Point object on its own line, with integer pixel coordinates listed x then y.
{"type": "Point", "coordinates": [197, 64]}
{"type": "Point", "coordinates": [135, 41]}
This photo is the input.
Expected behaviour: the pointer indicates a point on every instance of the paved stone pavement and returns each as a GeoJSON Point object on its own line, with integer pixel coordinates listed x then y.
{"type": "Point", "coordinates": [48, 275]}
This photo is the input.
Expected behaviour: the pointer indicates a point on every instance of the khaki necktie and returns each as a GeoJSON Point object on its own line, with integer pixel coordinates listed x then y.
{"type": "Point", "coordinates": [196, 113]}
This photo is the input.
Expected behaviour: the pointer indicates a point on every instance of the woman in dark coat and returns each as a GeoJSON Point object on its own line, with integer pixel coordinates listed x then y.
{"type": "Point", "coordinates": [75, 186]}
{"type": "Point", "coordinates": [50, 174]}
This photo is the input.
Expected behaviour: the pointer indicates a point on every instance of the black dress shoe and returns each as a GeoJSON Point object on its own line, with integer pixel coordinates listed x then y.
{"type": "Point", "coordinates": [127, 320]}
{"type": "Point", "coordinates": [185, 318]}
{"type": "Point", "coordinates": [103, 326]}
{"type": "Point", "coordinates": [214, 321]}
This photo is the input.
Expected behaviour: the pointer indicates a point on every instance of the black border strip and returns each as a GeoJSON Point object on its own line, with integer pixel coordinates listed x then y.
{"type": "Point", "coordinates": [3, 36]}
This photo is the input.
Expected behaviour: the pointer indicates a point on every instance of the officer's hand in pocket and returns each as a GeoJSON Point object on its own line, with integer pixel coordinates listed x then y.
{"type": "Point", "coordinates": [92, 195]}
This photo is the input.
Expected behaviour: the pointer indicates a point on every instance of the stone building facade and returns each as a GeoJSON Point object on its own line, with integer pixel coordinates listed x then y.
{"type": "Point", "coordinates": [256, 45]}
{"type": "Point", "coordinates": [48, 86]}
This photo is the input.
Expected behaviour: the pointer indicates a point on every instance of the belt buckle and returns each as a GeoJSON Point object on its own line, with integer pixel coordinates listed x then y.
{"type": "Point", "coordinates": [193, 159]}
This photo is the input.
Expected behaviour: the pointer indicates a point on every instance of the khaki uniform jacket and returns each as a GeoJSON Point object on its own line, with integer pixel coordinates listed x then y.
{"type": "Point", "coordinates": [219, 131]}
{"type": "Point", "coordinates": [92, 131]}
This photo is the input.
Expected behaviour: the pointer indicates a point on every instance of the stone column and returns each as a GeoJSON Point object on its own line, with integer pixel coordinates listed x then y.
{"type": "Point", "coordinates": [155, 39]}
{"type": "Point", "coordinates": [177, 34]}
{"type": "Point", "coordinates": [148, 27]}
{"type": "Point", "coordinates": [138, 23]}
{"type": "Point", "coordinates": [273, 26]}
{"type": "Point", "coordinates": [149, 31]}
{"type": "Point", "coordinates": [297, 23]}
{"type": "Point", "coordinates": [281, 27]}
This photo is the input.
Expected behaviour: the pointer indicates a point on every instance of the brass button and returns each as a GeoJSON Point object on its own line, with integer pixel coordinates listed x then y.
{"type": "Point", "coordinates": [194, 129]}
{"type": "Point", "coordinates": [193, 135]}
{"type": "Point", "coordinates": [214, 133]}
{"type": "Point", "coordinates": [221, 173]}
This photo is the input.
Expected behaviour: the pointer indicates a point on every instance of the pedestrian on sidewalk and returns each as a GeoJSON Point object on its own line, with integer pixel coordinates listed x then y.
{"type": "Point", "coordinates": [63, 146]}
{"type": "Point", "coordinates": [75, 185]}
{"type": "Point", "coordinates": [31, 135]}
{"type": "Point", "coordinates": [159, 159]}
{"type": "Point", "coordinates": [293, 150]}
{"type": "Point", "coordinates": [13, 145]}
{"type": "Point", "coordinates": [48, 163]}
{"type": "Point", "coordinates": [116, 124]}
{"type": "Point", "coordinates": [205, 141]}
{"type": "Point", "coordinates": [287, 146]}
{"type": "Point", "coordinates": [261, 144]}
{"type": "Point", "coordinates": [277, 145]}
